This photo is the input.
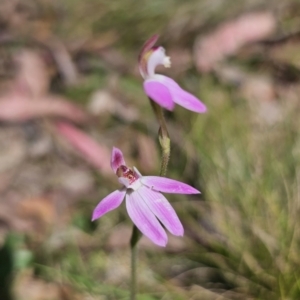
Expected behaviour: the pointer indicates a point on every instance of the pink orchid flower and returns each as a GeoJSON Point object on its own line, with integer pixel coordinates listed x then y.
{"type": "Point", "coordinates": [145, 204]}
{"type": "Point", "coordinates": [162, 89]}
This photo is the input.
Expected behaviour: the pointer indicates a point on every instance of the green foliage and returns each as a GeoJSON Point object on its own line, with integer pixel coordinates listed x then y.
{"type": "Point", "coordinates": [251, 189]}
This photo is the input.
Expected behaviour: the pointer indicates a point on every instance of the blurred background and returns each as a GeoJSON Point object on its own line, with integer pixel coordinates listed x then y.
{"type": "Point", "coordinates": [70, 90]}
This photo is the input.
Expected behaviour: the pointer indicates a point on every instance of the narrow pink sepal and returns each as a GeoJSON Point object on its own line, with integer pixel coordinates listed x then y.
{"type": "Point", "coordinates": [167, 185]}
{"type": "Point", "coordinates": [159, 93]}
{"type": "Point", "coordinates": [144, 219]}
{"type": "Point", "coordinates": [148, 45]}
{"type": "Point", "coordinates": [182, 97]}
{"type": "Point", "coordinates": [109, 203]}
{"type": "Point", "coordinates": [162, 209]}
{"type": "Point", "coordinates": [117, 159]}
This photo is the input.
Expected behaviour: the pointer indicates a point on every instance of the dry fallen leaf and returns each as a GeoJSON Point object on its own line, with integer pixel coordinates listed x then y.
{"type": "Point", "coordinates": [29, 287]}
{"type": "Point", "coordinates": [13, 151]}
{"type": "Point", "coordinates": [29, 96]}
{"type": "Point", "coordinates": [17, 107]}
{"type": "Point", "coordinates": [32, 77]}
{"type": "Point", "coordinates": [102, 102]}
{"type": "Point", "coordinates": [89, 149]}
{"type": "Point", "coordinates": [105, 102]}
{"type": "Point", "coordinates": [229, 37]}
{"type": "Point", "coordinates": [39, 210]}
{"type": "Point", "coordinates": [258, 88]}
{"type": "Point", "coordinates": [75, 181]}
{"type": "Point", "coordinates": [64, 61]}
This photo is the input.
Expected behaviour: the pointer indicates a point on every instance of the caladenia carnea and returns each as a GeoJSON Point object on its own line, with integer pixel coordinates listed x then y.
{"type": "Point", "coordinates": [145, 204]}
{"type": "Point", "coordinates": [162, 89]}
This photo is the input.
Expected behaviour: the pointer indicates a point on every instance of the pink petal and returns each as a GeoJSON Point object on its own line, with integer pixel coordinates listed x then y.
{"type": "Point", "coordinates": [182, 97]}
{"type": "Point", "coordinates": [144, 219]}
{"type": "Point", "coordinates": [109, 203]}
{"type": "Point", "coordinates": [162, 209]}
{"type": "Point", "coordinates": [90, 150]}
{"type": "Point", "coordinates": [159, 93]}
{"type": "Point", "coordinates": [167, 185]}
{"type": "Point", "coordinates": [188, 101]}
{"type": "Point", "coordinates": [117, 159]}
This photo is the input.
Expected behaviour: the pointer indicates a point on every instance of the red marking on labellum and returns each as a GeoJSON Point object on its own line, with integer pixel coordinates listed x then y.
{"type": "Point", "coordinates": [125, 172]}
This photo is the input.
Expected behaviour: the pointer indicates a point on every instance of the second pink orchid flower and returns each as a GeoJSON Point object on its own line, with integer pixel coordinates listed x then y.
{"type": "Point", "coordinates": [162, 89]}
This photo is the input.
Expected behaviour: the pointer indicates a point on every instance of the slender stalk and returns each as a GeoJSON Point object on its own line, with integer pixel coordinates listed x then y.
{"type": "Point", "coordinates": [163, 137]}
{"type": "Point", "coordinates": [135, 236]}
{"type": "Point", "coordinates": [165, 143]}
{"type": "Point", "coordinates": [134, 254]}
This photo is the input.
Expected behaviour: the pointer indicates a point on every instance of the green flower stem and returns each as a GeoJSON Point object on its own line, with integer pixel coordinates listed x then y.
{"type": "Point", "coordinates": [165, 143]}
{"type": "Point", "coordinates": [135, 236]}
{"type": "Point", "coordinates": [163, 137]}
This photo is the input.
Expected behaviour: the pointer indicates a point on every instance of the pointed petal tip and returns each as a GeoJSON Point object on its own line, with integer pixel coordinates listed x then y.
{"type": "Point", "coordinates": [110, 202]}
{"type": "Point", "coordinates": [94, 216]}
{"type": "Point", "coordinates": [115, 149]}
{"type": "Point", "coordinates": [198, 107]}
{"type": "Point", "coordinates": [162, 243]}
{"type": "Point", "coordinates": [117, 159]}
{"type": "Point", "coordinates": [196, 191]}
{"type": "Point", "coordinates": [179, 234]}
{"type": "Point", "coordinates": [202, 110]}
{"type": "Point", "coordinates": [179, 231]}
{"type": "Point", "coordinates": [182, 97]}
{"type": "Point", "coordinates": [167, 185]}
{"type": "Point", "coordinates": [191, 190]}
